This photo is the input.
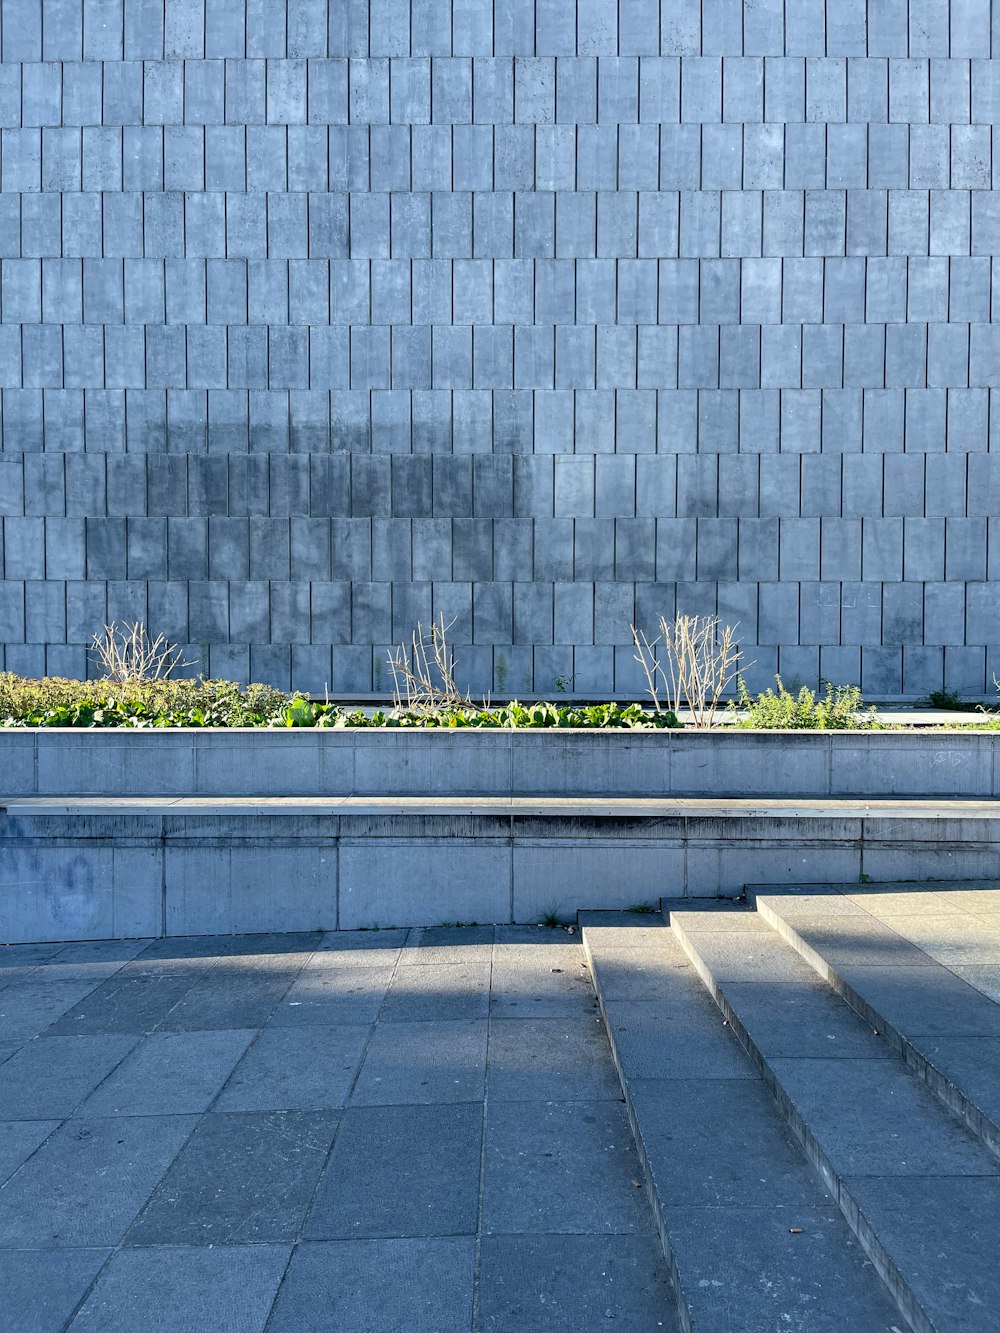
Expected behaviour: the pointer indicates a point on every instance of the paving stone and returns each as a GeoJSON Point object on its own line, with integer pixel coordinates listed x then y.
{"type": "Point", "coordinates": [925, 1001]}
{"type": "Point", "coordinates": [89, 1180]}
{"type": "Point", "coordinates": [42, 1288]}
{"type": "Point", "coordinates": [285, 947]}
{"type": "Point", "coordinates": [821, 1284]}
{"type": "Point", "coordinates": [941, 1233]}
{"type": "Point", "coordinates": [629, 973]}
{"type": "Point", "coordinates": [686, 1040]}
{"type": "Point", "coordinates": [448, 944]}
{"type": "Point", "coordinates": [326, 991]}
{"type": "Point", "coordinates": [549, 1059]}
{"type": "Point", "coordinates": [433, 991]}
{"type": "Point", "coordinates": [401, 1171]}
{"type": "Point", "coordinates": [26, 955]}
{"type": "Point", "coordinates": [18, 1140]}
{"type": "Point", "coordinates": [364, 947]}
{"type": "Point", "coordinates": [50, 1077]}
{"type": "Point", "coordinates": [179, 952]}
{"type": "Point", "coordinates": [540, 981]}
{"type": "Point", "coordinates": [524, 934]}
{"type": "Point", "coordinates": [242, 1177]}
{"type": "Point", "coordinates": [860, 940]}
{"type": "Point", "coordinates": [975, 901]}
{"type": "Point", "coordinates": [990, 919]}
{"type": "Point", "coordinates": [74, 962]}
{"type": "Point", "coordinates": [96, 954]}
{"type": "Point", "coordinates": [984, 976]}
{"type": "Point", "coordinates": [548, 1284]}
{"type": "Point", "coordinates": [720, 1143]}
{"type": "Point", "coordinates": [435, 1062]}
{"type": "Point", "coordinates": [571, 1167]}
{"type": "Point", "coordinates": [886, 906]}
{"type": "Point", "coordinates": [237, 993]}
{"type": "Point", "coordinates": [956, 939]}
{"type": "Point", "coordinates": [422, 1285]}
{"type": "Point", "coordinates": [34, 1004]}
{"type": "Point", "coordinates": [802, 1018]}
{"type": "Point", "coordinates": [126, 1003]}
{"type": "Point", "coordinates": [616, 929]}
{"type": "Point", "coordinates": [969, 1064]}
{"type": "Point", "coordinates": [15, 973]}
{"type": "Point", "coordinates": [876, 1118]}
{"type": "Point", "coordinates": [311, 1068]}
{"type": "Point", "coordinates": [169, 1074]}
{"type": "Point", "coordinates": [178, 1290]}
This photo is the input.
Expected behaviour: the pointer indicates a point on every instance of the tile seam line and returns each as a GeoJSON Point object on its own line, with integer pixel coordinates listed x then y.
{"type": "Point", "coordinates": [300, 1233]}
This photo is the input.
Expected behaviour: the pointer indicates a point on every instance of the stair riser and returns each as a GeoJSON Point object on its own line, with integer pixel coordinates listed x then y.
{"type": "Point", "coordinates": [950, 1096]}
{"type": "Point", "coordinates": [683, 1312]}
{"type": "Point", "coordinates": [867, 1238]}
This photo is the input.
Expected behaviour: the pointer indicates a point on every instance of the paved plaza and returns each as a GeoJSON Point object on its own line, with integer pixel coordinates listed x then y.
{"type": "Point", "coordinates": [376, 1132]}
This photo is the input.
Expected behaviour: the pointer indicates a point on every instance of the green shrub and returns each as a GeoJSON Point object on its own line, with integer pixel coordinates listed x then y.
{"type": "Point", "coordinates": [840, 708]}
{"type": "Point", "coordinates": [52, 702]}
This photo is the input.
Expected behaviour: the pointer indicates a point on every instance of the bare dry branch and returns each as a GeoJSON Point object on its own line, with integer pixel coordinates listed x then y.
{"type": "Point", "coordinates": [127, 653]}
{"type": "Point", "coordinates": [702, 659]}
{"type": "Point", "coordinates": [645, 655]}
{"type": "Point", "coordinates": [423, 673]}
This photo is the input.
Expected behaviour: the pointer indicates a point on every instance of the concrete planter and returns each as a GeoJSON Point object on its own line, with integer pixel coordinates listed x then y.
{"type": "Point", "coordinates": [307, 762]}
{"type": "Point", "coordinates": [113, 833]}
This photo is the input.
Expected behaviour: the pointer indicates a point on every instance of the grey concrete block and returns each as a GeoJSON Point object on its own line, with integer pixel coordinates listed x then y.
{"type": "Point", "coordinates": [238, 1278]}
{"type": "Point", "coordinates": [483, 892]}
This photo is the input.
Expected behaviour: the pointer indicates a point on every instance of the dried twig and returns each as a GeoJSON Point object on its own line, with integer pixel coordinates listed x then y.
{"type": "Point", "coordinates": [702, 659]}
{"type": "Point", "coordinates": [423, 673]}
{"type": "Point", "coordinates": [127, 653]}
{"type": "Point", "coordinates": [645, 655]}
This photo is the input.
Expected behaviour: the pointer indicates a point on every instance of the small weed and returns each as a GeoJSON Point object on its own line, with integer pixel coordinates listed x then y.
{"type": "Point", "coordinates": [552, 919]}
{"type": "Point", "coordinates": [864, 879]}
{"type": "Point", "coordinates": [642, 909]}
{"type": "Point", "coordinates": [952, 701]}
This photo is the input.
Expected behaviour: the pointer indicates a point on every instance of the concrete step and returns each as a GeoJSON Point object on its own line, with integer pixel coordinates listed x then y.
{"type": "Point", "coordinates": [919, 1191]}
{"type": "Point", "coordinates": [753, 1240]}
{"type": "Point", "coordinates": [872, 948]}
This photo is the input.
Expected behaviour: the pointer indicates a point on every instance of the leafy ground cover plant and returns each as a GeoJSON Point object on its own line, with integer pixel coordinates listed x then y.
{"type": "Point", "coordinates": [53, 702]}
{"type": "Point", "coordinates": [841, 707]}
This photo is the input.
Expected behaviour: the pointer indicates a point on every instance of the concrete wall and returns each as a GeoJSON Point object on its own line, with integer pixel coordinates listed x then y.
{"type": "Point", "coordinates": [318, 318]}
{"type": "Point", "coordinates": [103, 876]}
{"type": "Point", "coordinates": [457, 765]}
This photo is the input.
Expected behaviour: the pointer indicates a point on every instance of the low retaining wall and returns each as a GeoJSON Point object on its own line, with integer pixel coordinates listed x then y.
{"type": "Point", "coordinates": [317, 762]}
{"type": "Point", "coordinates": [100, 875]}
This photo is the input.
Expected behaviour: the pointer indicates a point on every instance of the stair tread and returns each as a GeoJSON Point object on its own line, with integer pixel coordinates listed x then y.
{"type": "Point", "coordinates": [879, 1136]}
{"type": "Point", "coordinates": [936, 1015]}
{"type": "Point", "coordinates": [750, 1232]}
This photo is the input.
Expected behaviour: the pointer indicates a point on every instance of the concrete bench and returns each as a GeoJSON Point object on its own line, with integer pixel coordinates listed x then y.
{"type": "Point", "coordinates": [93, 867]}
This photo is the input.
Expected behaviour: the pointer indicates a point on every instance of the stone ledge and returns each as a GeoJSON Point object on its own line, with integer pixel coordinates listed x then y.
{"type": "Point", "coordinates": [812, 808]}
